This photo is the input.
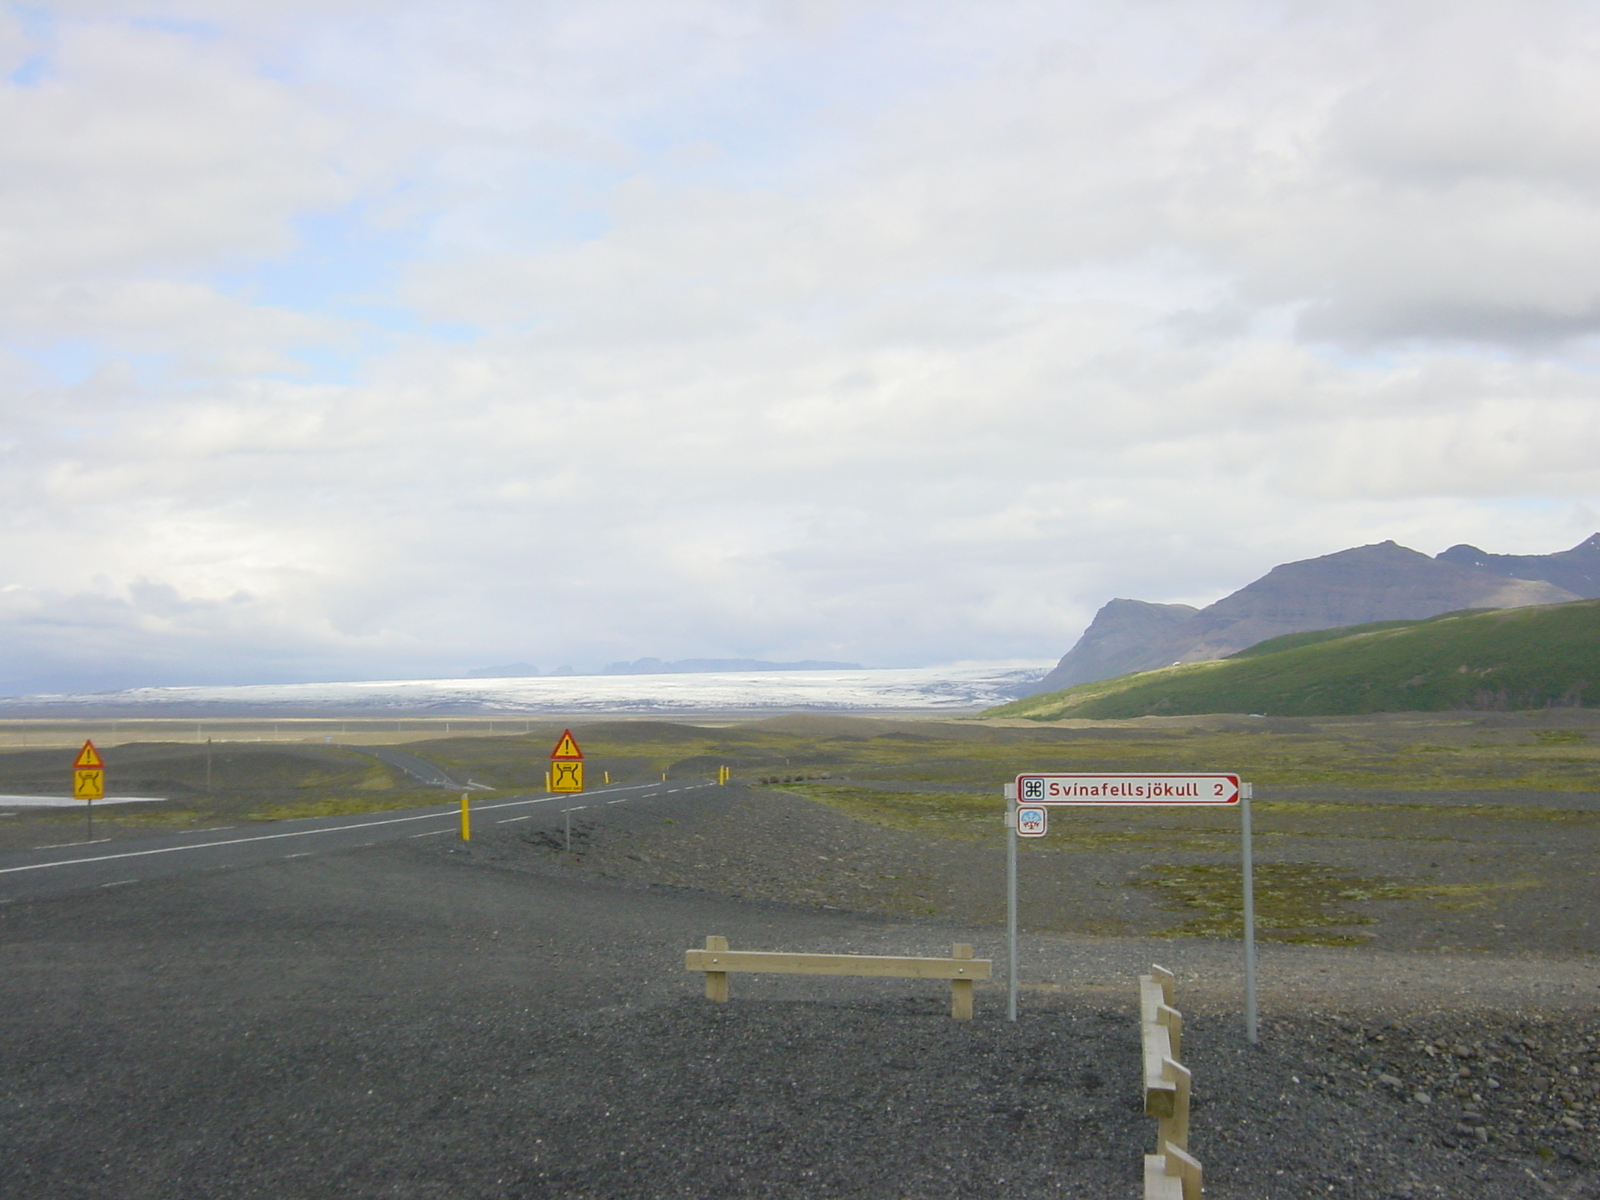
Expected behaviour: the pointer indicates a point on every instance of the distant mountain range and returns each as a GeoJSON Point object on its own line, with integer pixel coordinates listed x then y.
{"type": "Point", "coordinates": [1505, 659]}
{"type": "Point", "coordinates": [1384, 582]}
{"type": "Point", "coordinates": [654, 666]}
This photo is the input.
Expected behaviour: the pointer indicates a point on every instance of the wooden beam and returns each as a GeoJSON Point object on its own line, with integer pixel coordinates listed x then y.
{"type": "Point", "coordinates": [1160, 1092]}
{"type": "Point", "coordinates": [718, 960]}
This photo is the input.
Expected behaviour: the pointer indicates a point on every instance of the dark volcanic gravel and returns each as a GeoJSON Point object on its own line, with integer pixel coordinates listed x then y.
{"type": "Point", "coordinates": [431, 1021]}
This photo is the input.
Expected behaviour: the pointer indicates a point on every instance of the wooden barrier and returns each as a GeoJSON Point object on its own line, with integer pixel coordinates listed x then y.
{"type": "Point", "coordinates": [1170, 1173]}
{"type": "Point", "coordinates": [716, 960]}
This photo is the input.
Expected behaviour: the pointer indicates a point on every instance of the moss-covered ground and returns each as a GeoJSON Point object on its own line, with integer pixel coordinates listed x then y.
{"type": "Point", "coordinates": [1467, 830]}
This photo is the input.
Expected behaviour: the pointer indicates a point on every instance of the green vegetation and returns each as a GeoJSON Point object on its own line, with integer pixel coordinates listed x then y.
{"type": "Point", "coordinates": [1297, 901]}
{"type": "Point", "coordinates": [1520, 658]}
{"type": "Point", "coordinates": [1449, 751]}
{"type": "Point", "coordinates": [1346, 853]}
{"type": "Point", "coordinates": [944, 814]}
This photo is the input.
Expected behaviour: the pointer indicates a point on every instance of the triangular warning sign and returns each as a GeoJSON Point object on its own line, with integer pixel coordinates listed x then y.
{"type": "Point", "coordinates": [87, 757]}
{"type": "Point", "coordinates": [567, 747]}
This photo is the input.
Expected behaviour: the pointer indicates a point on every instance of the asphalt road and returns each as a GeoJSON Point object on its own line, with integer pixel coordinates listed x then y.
{"type": "Point", "coordinates": [57, 870]}
{"type": "Point", "coordinates": [419, 769]}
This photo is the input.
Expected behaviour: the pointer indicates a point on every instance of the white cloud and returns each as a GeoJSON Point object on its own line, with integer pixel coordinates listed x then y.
{"type": "Point", "coordinates": [891, 332]}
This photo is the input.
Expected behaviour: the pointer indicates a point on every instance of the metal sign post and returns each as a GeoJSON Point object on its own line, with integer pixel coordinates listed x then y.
{"type": "Point", "coordinates": [1248, 858]}
{"type": "Point", "coordinates": [1027, 814]}
{"type": "Point", "coordinates": [89, 781]}
{"type": "Point", "coordinates": [1011, 913]}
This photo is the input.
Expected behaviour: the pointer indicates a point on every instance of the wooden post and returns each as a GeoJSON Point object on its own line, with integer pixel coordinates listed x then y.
{"type": "Point", "coordinates": [1168, 982]}
{"type": "Point", "coordinates": [961, 989]}
{"type": "Point", "coordinates": [1179, 1163]}
{"type": "Point", "coordinates": [1174, 1129]}
{"type": "Point", "coordinates": [716, 981]}
{"type": "Point", "coordinates": [1172, 1019]}
{"type": "Point", "coordinates": [1158, 1185]}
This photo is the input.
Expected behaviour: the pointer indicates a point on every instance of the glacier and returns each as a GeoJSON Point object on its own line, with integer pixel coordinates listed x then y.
{"type": "Point", "coordinates": [955, 688]}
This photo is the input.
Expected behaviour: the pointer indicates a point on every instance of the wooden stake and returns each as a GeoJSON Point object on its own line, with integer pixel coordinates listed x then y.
{"type": "Point", "coordinates": [961, 989]}
{"type": "Point", "coordinates": [716, 981]}
{"type": "Point", "coordinates": [1174, 1129]}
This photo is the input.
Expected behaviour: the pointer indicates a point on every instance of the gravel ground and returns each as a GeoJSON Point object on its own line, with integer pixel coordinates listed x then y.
{"type": "Point", "coordinates": [504, 1020]}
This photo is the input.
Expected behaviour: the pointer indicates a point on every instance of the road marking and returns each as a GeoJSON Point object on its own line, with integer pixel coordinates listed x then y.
{"type": "Point", "coordinates": [64, 845]}
{"type": "Point", "coordinates": [118, 883]}
{"type": "Point", "coordinates": [437, 832]}
{"type": "Point", "coordinates": [624, 800]}
{"type": "Point", "coordinates": [447, 813]}
{"type": "Point", "coordinates": [299, 854]}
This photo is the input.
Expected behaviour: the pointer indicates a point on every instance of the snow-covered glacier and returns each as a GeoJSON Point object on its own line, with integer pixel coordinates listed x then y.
{"type": "Point", "coordinates": [960, 687]}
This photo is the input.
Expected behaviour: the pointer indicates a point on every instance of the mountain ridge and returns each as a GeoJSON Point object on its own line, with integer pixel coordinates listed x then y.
{"type": "Point", "coordinates": [1378, 582]}
{"type": "Point", "coordinates": [1518, 658]}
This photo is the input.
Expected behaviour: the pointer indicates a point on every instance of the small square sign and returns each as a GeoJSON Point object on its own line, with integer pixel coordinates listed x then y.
{"type": "Point", "coordinates": [1032, 822]}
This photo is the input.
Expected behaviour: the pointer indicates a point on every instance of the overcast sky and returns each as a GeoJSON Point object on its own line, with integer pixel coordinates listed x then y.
{"type": "Point", "coordinates": [367, 340]}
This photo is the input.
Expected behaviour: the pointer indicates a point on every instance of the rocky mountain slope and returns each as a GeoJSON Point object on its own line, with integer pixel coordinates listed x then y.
{"type": "Point", "coordinates": [1383, 582]}
{"type": "Point", "coordinates": [1518, 658]}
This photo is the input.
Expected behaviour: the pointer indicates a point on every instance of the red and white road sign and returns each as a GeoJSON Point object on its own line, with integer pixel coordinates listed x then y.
{"type": "Point", "coordinates": [1041, 788]}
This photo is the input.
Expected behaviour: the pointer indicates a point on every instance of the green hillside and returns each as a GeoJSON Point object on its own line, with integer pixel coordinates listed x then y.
{"type": "Point", "coordinates": [1510, 658]}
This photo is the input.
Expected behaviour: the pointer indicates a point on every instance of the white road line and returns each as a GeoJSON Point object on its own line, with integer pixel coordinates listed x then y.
{"type": "Point", "coordinates": [267, 837]}
{"type": "Point", "coordinates": [624, 800]}
{"type": "Point", "coordinates": [118, 883]}
{"type": "Point", "coordinates": [299, 854]}
{"type": "Point", "coordinates": [437, 832]}
{"type": "Point", "coordinates": [65, 845]}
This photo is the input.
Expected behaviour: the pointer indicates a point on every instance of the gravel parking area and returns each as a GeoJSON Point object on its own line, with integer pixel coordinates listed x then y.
{"type": "Point", "coordinates": [504, 1020]}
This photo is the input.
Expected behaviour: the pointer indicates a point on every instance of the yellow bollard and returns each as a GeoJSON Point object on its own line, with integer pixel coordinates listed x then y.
{"type": "Point", "coordinates": [466, 820]}
{"type": "Point", "coordinates": [547, 779]}
{"type": "Point", "coordinates": [607, 774]}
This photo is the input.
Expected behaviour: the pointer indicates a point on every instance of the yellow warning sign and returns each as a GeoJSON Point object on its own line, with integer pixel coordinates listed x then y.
{"type": "Point", "coordinates": [566, 776]}
{"type": "Point", "coordinates": [87, 757]}
{"type": "Point", "coordinates": [88, 784]}
{"type": "Point", "coordinates": [567, 747]}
